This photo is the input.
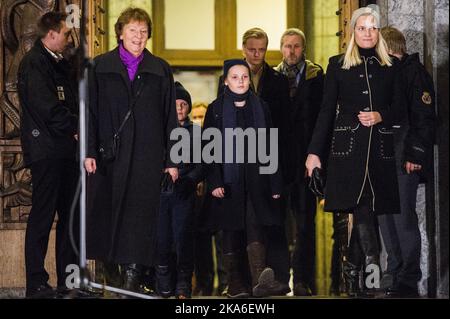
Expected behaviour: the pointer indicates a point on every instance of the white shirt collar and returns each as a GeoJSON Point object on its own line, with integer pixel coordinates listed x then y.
{"type": "Point", "coordinates": [57, 56]}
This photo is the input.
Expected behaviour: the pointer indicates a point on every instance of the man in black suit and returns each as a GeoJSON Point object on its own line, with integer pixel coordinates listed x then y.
{"type": "Point", "coordinates": [49, 126]}
{"type": "Point", "coordinates": [306, 81]}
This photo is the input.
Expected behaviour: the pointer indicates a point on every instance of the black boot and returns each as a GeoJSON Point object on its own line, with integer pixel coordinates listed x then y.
{"type": "Point", "coordinates": [263, 278]}
{"type": "Point", "coordinates": [164, 281]}
{"type": "Point", "coordinates": [237, 287]}
{"type": "Point", "coordinates": [111, 275]}
{"type": "Point", "coordinates": [351, 274]}
{"type": "Point", "coordinates": [372, 275]}
{"type": "Point", "coordinates": [368, 240]}
{"type": "Point", "coordinates": [352, 264]}
{"type": "Point", "coordinates": [132, 274]}
{"type": "Point", "coordinates": [183, 288]}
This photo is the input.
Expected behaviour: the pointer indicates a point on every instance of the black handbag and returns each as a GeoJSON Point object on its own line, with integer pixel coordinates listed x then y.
{"type": "Point", "coordinates": [317, 182]}
{"type": "Point", "coordinates": [109, 151]}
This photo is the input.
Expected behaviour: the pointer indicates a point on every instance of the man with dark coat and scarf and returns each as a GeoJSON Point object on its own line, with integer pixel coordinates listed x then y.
{"type": "Point", "coordinates": [123, 216]}
{"type": "Point", "coordinates": [306, 90]}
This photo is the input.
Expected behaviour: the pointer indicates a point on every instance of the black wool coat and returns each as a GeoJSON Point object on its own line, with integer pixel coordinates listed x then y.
{"type": "Point", "coordinates": [359, 157]}
{"type": "Point", "coordinates": [305, 107]}
{"type": "Point", "coordinates": [124, 194]}
{"type": "Point", "coordinates": [415, 134]}
{"type": "Point", "coordinates": [229, 213]}
{"type": "Point", "coordinates": [49, 117]}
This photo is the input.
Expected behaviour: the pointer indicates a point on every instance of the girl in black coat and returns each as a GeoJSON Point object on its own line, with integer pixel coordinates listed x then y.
{"type": "Point", "coordinates": [245, 201]}
{"type": "Point", "coordinates": [361, 95]}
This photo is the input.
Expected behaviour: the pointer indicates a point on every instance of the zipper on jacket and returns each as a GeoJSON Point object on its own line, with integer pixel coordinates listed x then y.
{"type": "Point", "coordinates": [371, 187]}
{"type": "Point", "coordinates": [366, 174]}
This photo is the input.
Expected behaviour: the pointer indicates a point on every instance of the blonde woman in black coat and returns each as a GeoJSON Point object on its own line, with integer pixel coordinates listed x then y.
{"type": "Point", "coordinates": [357, 112]}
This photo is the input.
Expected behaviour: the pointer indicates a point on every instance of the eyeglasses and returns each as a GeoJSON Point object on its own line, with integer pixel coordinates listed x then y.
{"type": "Point", "coordinates": [364, 29]}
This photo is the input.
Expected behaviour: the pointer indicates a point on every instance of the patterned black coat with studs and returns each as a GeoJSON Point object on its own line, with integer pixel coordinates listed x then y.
{"type": "Point", "coordinates": [360, 159]}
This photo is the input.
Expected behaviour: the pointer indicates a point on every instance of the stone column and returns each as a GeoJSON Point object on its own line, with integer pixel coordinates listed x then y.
{"type": "Point", "coordinates": [425, 25]}
{"type": "Point", "coordinates": [436, 60]}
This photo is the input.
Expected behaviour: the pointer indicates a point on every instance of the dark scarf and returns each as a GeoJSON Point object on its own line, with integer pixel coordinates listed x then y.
{"type": "Point", "coordinates": [292, 71]}
{"type": "Point", "coordinates": [229, 120]}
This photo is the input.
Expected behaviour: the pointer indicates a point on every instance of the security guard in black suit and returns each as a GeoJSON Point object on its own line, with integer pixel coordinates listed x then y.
{"type": "Point", "coordinates": [414, 139]}
{"type": "Point", "coordinates": [49, 126]}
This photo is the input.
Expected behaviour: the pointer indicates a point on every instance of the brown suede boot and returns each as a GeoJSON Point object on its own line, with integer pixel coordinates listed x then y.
{"type": "Point", "coordinates": [263, 278]}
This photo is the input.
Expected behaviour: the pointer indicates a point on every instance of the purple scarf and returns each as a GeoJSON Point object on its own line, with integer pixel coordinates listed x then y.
{"type": "Point", "coordinates": [130, 61]}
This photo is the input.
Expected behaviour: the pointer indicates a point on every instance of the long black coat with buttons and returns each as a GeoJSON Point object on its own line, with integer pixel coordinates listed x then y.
{"type": "Point", "coordinates": [359, 158]}
{"type": "Point", "coordinates": [124, 195]}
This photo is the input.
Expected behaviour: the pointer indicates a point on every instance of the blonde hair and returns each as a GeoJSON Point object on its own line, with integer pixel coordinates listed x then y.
{"type": "Point", "coordinates": [353, 58]}
{"type": "Point", "coordinates": [254, 33]}
{"type": "Point", "coordinates": [395, 40]}
{"type": "Point", "coordinates": [293, 31]}
{"type": "Point", "coordinates": [199, 105]}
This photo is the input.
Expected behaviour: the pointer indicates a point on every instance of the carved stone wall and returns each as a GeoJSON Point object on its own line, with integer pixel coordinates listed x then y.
{"type": "Point", "coordinates": [17, 35]}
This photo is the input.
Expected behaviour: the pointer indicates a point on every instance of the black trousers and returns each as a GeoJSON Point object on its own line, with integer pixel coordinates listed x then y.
{"type": "Point", "coordinates": [54, 184]}
{"type": "Point", "coordinates": [304, 206]}
{"type": "Point", "coordinates": [277, 247]}
{"type": "Point", "coordinates": [204, 262]}
{"type": "Point", "coordinates": [401, 235]}
{"type": "Point", "coordinates": [176, 231]}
